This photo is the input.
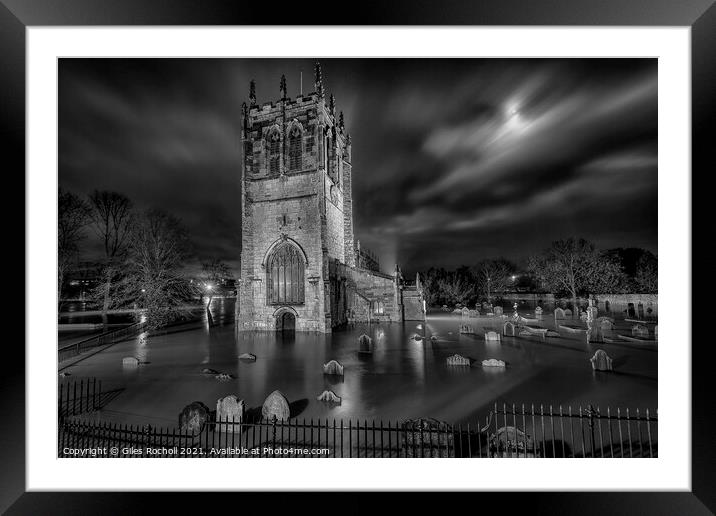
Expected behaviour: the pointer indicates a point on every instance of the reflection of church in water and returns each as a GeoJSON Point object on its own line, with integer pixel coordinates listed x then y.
{"type": "Point", "coordinates": [300, 265]}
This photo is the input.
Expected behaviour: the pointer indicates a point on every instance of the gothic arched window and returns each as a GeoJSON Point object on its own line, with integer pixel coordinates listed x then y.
{"type": "Point", "coordinates": [285, 269]}
{"type": "Point", "coordinates": [294, 149]}
{"type": "Point", "coordinates": [274, 152]}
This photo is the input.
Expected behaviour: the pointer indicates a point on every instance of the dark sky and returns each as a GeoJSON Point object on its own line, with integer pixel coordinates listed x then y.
{"type": "Point", "coordinates": [454, 160]}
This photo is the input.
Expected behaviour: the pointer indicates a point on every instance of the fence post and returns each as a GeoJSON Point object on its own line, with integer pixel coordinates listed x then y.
{"type": "Point", "coordinates": [590, 422]}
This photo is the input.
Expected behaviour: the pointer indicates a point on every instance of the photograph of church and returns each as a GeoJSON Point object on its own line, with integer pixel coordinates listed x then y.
{"type": "Point", "coordinates": [368, 258]}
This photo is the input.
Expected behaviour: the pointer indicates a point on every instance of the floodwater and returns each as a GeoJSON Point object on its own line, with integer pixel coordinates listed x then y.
{"type": "Point", "coordinates": [402, 378]}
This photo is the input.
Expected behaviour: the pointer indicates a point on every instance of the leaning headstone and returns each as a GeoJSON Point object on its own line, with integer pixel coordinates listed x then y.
{"type": "Point", "coordinates": [510, 441]}
{"type": "Point", "coordinates": [601, 361]}
{"type": "Point", "coordinates": [193, 417]}
{"type": "Point", "coordinates": [329, 397]}
{"type": "Point", "coordinates": [427, 437]}
{"type": "Point", "coordinates": [130, 362]}
{"type": "Point", "coordinates": [493, 362]}
{"type": "Point", "coordinates": [492, 336]}
{"type": "Point", "coordinates": [466, 329]}
{"type": "Point", "coordinates": [497, 311]}
{"type": "Point", "coordinates": [249, 357]}
{"type": "Point", "coordinates": [365, 344]}
{"type": "Point", "coordinates": [508, 329]}
{"type": "Point", "coordinates": [559, 314]}
{"type": "Point", "coordinates": [458, 360]}
{"type": "Point", "coordinates": [333, 368]}
{"type": "Point", "coordinates": [639, 330]}
{"type": "Point", "coordinates": [230, 412]}
{"type": "Point", "coordinates": [276, 407]}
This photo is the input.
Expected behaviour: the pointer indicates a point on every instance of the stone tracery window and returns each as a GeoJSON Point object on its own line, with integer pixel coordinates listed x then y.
{"type": "Point", "coordinates": [294, 149]}
{"type": "Point", "coordinates": [274, 152]}
{"type": "Point", "coordinates": [285, 270]}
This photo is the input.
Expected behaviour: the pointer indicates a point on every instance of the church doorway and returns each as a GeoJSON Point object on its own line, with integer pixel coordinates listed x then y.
{"type": "Point", "coordinates": [286, 322]}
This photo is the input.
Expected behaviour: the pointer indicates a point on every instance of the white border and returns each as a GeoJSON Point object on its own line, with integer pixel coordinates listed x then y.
{"type": "Point", "coordinates": [672, 470]}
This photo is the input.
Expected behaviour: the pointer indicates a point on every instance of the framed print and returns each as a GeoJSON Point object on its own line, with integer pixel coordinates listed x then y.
{"type": "Point", "coordinates": [431, 237]}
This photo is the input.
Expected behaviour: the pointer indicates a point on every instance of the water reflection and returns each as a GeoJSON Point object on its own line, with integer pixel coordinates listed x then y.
{"type": "Point", "coordinates": [402, 377]}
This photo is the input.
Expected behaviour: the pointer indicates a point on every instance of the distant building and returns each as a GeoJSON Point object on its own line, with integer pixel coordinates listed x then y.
{"type": "Point", "coordinates": [299, 265]}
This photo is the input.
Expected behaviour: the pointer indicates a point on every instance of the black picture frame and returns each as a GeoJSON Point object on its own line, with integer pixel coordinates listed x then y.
{"type": "Point", "coordinates": [699, 15]}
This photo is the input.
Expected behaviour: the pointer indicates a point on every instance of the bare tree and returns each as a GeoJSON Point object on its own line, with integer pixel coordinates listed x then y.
{"type": "Point", "coordinates": [456, 288]}
{"type": "Point", "coordinates": [72, 217]}
{"type": "Point", "coordinates": [575, 267]}
{"type": "Point", "coordinates": [153, 275]}
{"type": "Point", "coordinates": [493, 276]}
{"type": "Point", "coordinates": [214, 274]}
{"type": "Point", "coordinates": [647, 274]}
{"type": "Point", "coordinates": [111, 217]}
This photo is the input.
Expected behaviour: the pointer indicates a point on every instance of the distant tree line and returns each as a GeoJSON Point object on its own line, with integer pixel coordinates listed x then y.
{"type": "Point", "coordinates": [570, 268]}
{"type": "Point", "coordinates": [144, 253]}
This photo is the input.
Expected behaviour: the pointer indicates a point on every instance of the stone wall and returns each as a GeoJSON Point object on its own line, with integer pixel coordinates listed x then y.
{"type": "Point", "coordinates": [628, 304]}
{"type": "Point", "coordinates": [413, 305]}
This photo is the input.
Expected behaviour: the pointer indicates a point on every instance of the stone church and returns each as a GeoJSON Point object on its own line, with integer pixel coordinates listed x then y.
{"type": "Point", "coordinates": [300, 266]}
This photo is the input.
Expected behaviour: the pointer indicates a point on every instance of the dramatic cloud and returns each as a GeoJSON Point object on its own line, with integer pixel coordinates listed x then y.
{"type": "Point", "coordinates": [454, 160]}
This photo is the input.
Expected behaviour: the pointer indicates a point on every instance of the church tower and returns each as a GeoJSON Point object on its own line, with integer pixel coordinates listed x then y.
{"type": "Point", "coordinates": [296, 204]}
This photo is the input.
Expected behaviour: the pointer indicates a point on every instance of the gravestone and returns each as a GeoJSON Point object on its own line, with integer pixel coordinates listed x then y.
{"type": "Point", "coordinates": [493, 362]}
{"type": "Point", "coordinates": [427, 437]}
{"type": "Point", "coordinates": [605, 323]}
{"type": "Point", "coordinates": [365, 344]}
{"type": "Point", "coordinates": [538, 311]}
{"type": "Point", "coordinates": [333, 368]}
{"type": "Point", "coordinates": [458, 360]}
{"type": "Point", "coordinates": [552, 333]}
{"type": "Point", "coordinates": [329, 397]}
{"type": "Point", "coordinates": [465, 312]}
{"type": "Point", "coordinates": [230, 410]}
{"type": "Point", "coordinates": [492, 336]}
{"type": "Point", "coordinates": [508, 329]}
{"type": "Point", "coordinates": [474, 313]}
{"type": "Point", "coordinates": [497, 310]}
{"type": "Point", "coordinates": [601, 361]}
{"type": "Point", "coordinates": [466, 329]}
{"type": "Point", "coordinates": [130, 362]}
{"type": "Point", "coordinates": [567, 312]}
{"type": "Point", "coordinates": [558, 314]}
{"type": "Point", "coordinates": [510, 441]}
{"type": "Point", "coordinates": [276, 407]}
{"type": "Point", "coordinates": [193, 417]}
{"type": "Point", "coordinates": [248, 357]}
{"type": "Point", "coordinates": [639, 330]}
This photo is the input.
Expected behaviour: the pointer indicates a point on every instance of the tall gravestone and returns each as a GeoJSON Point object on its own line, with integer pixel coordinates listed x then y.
{"type": "Point", "coordinates": [230, 411]}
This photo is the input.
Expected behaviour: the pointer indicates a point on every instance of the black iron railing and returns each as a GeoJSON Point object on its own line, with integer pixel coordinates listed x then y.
{"type": "Point", "coordinates": [110, 337]}
{"type": "Point", "coordinates": [507, 431]}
